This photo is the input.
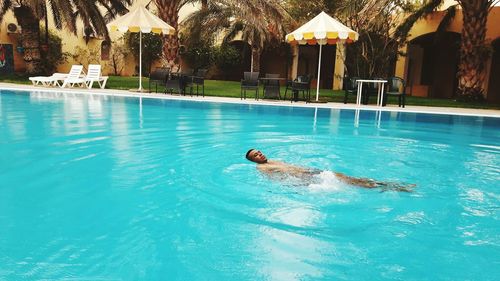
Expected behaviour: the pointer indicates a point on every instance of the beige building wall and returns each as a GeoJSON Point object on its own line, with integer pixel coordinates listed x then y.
{"type": "Point", "coordinates": [11, 38]}
{"type": "Point", "coordinates": [339, 67]}
{"type": "Point", "coordinates": [72, 41]}
{"type": "Point", "coordinates": [305, 60]}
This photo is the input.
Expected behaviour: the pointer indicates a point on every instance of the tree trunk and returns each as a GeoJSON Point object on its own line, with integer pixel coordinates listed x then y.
{"type": "Point", "coordinates": [30, 36]}
{"type": "Point", "coordinates": [256, 52]}
{"type": "Point", "coordinates": [169, 12]}
{"type": "Point", "coordinates": [473, 52]}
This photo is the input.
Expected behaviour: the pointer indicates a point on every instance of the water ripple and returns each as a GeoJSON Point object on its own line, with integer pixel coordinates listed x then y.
{"type": "Point", "coordinates": [108, 188]}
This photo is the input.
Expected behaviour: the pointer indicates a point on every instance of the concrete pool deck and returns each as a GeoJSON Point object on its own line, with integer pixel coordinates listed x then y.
{"type": "Point", "coordinates": [331, 105]}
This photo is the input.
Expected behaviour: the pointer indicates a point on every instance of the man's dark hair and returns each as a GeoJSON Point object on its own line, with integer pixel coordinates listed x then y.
{"type": "Point", "coordinates": [248, 153]}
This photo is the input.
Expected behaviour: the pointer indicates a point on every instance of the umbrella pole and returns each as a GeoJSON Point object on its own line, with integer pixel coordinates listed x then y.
{"type": "Point", "coordinates": [140, 61]}
{"type": "Point", "coordinates": [319, 73]}
{"type": "Point", "coordinates": [251, 59]}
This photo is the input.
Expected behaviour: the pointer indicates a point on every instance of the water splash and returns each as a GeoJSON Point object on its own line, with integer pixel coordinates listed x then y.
{"type": "Point", "coordinates": [327, 181]}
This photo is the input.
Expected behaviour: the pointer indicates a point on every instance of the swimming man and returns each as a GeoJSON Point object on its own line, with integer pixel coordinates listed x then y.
{"type": "Point", "coordinates": [281, 170]}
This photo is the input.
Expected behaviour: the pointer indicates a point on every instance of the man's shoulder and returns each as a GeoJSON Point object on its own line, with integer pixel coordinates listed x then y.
{"type": "Point", "coordinates": [280, 166]}
{"type": "Point", "coordinates": [270, 165]}
{"type": "Point", "coordinates": [273, 163]}
{"type": "Point", "coordinates": [277, 163]}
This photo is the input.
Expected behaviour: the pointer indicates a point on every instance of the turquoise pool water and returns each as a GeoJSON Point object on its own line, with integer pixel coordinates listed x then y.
{"type": "Point", "coordinates": [104, 188]}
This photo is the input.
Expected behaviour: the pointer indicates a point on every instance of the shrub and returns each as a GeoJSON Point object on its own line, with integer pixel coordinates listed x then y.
{"type": "Point", "coordinates": [54, 55]}
{"type": "Point", "coordinates": [226, 56]}
{"type": "Point", "coordinates": [118, 56]}
{"type": "Point", "coordinates": [151, 48]}
{"type": "Point", "coordinates": [86, 56]}
{"type": "Point", "coordinates": [200, 56]}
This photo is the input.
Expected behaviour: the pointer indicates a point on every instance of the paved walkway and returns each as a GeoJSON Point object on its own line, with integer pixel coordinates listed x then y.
{"type": "Point", "coordinates": [393, 108]}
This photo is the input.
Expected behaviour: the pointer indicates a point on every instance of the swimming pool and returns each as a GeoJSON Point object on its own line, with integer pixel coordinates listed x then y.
{"type": "Point", "coordinates": [115, 188]}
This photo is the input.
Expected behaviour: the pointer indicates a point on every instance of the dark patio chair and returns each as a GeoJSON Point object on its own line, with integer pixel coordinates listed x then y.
{"type": "Point", "coordinates": [177, 81]}
{"type": "Point", "coordinates": [272, 87]}
{"type": "Point", "coordinates": [159, 76]}
{"type": "Point", "coordinates": [198, 79]}
{"type": "Point", "coordinates": [174, 83]}
{"type": "Point", "coordinates": [250, 81]}
{"type": "Point", "coordinates": [288, 87]}
{"type": "Point", "coordinates": [350, 87]}
{"type": "Point", "coordinates": [301, 84]}
{"type": "Point", "coordinates": [396, 87]}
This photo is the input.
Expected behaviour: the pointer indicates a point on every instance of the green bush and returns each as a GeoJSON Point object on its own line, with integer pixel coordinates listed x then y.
{"type": "Point", "coordinates": [118, 56]}
{"type": "Point", "coordinates": [200, 56]}
{"type": "Point", "coordinates": [86, 55]}
{"type": "Point", "coordinates": [227, 57]}
{"type": "Point", "coordinates": [54, 55]}
{"type": "Point", "coordinates": [151, 48]}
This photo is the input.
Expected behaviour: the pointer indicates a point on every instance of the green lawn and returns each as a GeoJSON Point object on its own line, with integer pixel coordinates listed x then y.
{"type": "Point", "coordinates": [232, 89]}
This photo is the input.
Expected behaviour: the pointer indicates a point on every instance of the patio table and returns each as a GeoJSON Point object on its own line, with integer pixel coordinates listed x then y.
{"type": "Point", "coordinates": [380, 92]}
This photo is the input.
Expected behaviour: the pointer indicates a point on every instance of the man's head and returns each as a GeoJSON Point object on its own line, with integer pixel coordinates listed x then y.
{"type": "Point", "coordinates": [256, 156]}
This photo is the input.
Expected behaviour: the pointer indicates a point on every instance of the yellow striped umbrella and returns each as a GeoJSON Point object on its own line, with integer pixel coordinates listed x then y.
{"type": "Point", "coordinates": [143, 21]}
{"type": "Point", "coordinates": [322, 30]}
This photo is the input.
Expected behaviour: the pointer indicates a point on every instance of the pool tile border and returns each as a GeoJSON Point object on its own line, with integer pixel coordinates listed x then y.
{"type": "Point", "coordinates": [332, 105]}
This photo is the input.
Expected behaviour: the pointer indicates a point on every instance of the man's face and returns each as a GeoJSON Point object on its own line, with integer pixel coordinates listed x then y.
{"type": "Point", "coordinates": [257, 157]}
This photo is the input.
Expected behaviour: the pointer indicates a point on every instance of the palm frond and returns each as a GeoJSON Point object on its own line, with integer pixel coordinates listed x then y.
{"type": "Point", "coordinates": [92, 17]}
{"type": "Point", "coordinates": [445, 23]}
{"type": "Point", "coordinates": [63, 14]}
{"type": "Point", "coordinates": [403, 29]}
{"type": "Point", "coordinates": [114, 8]}
{"type": "Point", "coordinates": [263, 22]}
{"type": "Point", "coordinates": [56, 15]}
{"type": "Point", "coordinates": [448, 17]}
{"type": "Point", "coordinates": [493, 3]}
{"type": "Point", "coordinates": [33, 5]}
{"type": "Point", "coordinates": [233, 31]}
{"type": "Point", "coordinates": [5, 5]}
{"type": "Point", "coordinates": [203, 24]}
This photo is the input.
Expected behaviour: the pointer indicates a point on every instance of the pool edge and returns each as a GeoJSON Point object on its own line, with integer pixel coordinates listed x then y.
{"type": "Point", "coordinates": [123, 93]}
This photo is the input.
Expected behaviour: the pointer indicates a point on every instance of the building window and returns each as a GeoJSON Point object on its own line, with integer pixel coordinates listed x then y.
{"type": "Point", "coordinates": [105, 48]}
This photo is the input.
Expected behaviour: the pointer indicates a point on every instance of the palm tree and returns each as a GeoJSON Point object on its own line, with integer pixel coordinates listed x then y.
{"type": "Point", "coordinates": [473, 50]}
{"type": "Point", "coordinates": [28, 14]}
{"type": "Point", "coordinates": [258, 22]}
{"type": "Point", "coordinates": [168, 10]}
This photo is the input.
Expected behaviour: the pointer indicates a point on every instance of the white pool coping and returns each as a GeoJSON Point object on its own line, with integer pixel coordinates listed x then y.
{"type": "Point", "coordinates": [331, 105]}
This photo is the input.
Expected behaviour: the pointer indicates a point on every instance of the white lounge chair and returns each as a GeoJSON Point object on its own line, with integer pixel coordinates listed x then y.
{"type": "Point", "coordinates": [94, 75]}
{"type": "Point", "coordinates": [73, 77]}
{"type": "Point", "coordinates": [53, 80]}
